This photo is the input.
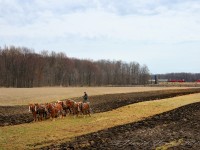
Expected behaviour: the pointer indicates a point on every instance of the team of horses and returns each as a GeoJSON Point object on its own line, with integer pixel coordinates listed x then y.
{"type": "Point", "coordinates": [59, 109]}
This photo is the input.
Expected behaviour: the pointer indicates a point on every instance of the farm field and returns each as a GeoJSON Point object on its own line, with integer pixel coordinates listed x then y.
{"type": "Point", "coordinates": [24, 96]}
{"type": "Point", "coordinates": [176, 129]}
{"type": "Point", "coordinates": [136, 113]}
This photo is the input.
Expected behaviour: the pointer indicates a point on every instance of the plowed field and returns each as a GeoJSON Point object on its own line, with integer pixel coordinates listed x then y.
{"type": "Point", "coordinates": [177, 129]}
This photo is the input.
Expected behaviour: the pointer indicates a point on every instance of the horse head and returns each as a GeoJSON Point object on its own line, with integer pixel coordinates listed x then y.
{"type": "Point", "coordinates": [60, 102]}
{"type": "Point", "coordinates": [48, 106]}
{"type": "Point", "coordinates": [36, 107]}
{"type": "Point", "coordinates": [31, 107]}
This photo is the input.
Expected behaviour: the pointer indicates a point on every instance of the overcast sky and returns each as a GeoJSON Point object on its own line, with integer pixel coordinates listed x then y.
{"type": "Point", "coordinates": [163, 34]}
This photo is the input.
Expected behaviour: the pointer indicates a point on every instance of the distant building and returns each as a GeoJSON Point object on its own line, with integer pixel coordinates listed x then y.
{"type": "Point", "coordinates": [171, 80]}
{"type": "Point", "coordinates": [156, 81]}
{"type": "Point", "coordinates": [163, 80]}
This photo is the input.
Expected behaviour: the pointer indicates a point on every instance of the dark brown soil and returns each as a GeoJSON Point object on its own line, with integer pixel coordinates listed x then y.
{"type": "Point", "coordinates": [12, 115]}
{"type": "Point", "coordinates": [108, 102]}
{"type": "Point", "coordinates": [180, 125]}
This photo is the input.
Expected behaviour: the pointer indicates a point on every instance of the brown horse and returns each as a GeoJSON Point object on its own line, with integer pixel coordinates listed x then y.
{"type": "Point", "coordinates": [55, 110]}
{"type": "Point", "coordinates": [70, 105]}
{"type": "Point", "coordinates": [77, 108]}
{"type": "Point", "coordinates": [73, 106]}
{"type": "Point", "coordinates": [41, 110]}
{"type": "Point", "coordinates": [32, 110]}
{"type": "Point", "coordinates": [85, 108]}
{"type": "Point", "coordinates": [65, 107]}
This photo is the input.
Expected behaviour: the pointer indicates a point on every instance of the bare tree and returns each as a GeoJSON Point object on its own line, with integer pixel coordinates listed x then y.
{"type": "Point", "coordinates": [22, 67]}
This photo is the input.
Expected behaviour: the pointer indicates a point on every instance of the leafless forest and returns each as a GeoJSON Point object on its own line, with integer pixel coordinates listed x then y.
{"type": "Point", "coordinates": [188, 77]}
{"type": "Point", "coordinates": [22, 67]}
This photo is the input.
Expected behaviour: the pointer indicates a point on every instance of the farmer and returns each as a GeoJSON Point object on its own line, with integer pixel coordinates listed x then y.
{"type": "Point", "coordinates": [86, 101]}
{"type": "Point", "coordinates": [85, 98]}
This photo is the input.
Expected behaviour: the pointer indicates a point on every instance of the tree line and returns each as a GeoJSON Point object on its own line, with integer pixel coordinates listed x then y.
{"type": "Point", "coordinates": [188, 77]}
{"type": "Point", "coordinates": [22, 67]}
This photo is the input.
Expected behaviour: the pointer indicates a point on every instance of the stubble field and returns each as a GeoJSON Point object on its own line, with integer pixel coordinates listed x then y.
{"type": "Point", "coordinates": [24, 96]}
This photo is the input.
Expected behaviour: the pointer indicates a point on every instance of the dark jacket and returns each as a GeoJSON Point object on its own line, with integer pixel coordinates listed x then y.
{"type": "Point", "coordinates": [85, 98]}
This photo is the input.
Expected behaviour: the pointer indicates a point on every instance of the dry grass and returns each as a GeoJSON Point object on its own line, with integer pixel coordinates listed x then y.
{"type": "Point", "coordinates": [180, 84]}
{"type": "Point", "coordinates": [169, 145]}
{"type": "Point", "coordinates": [24, 96]}
{"type": "Point", "coordinates": [35, 135]}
